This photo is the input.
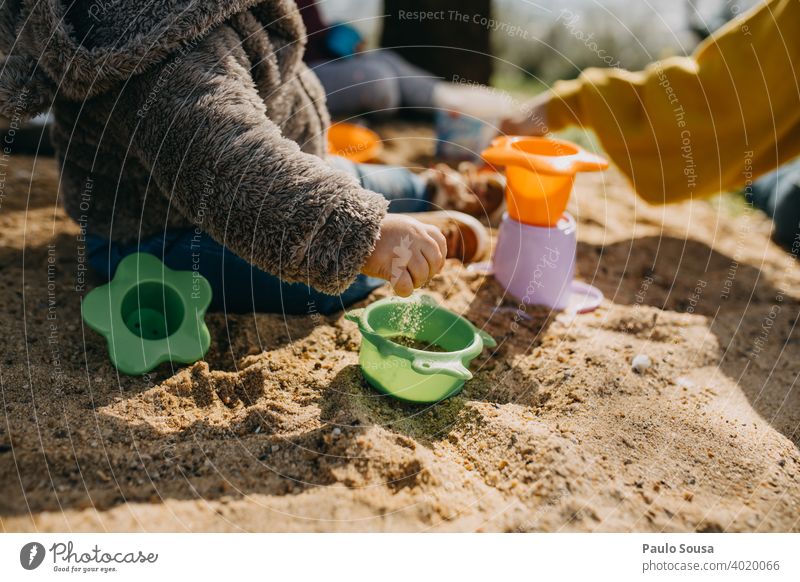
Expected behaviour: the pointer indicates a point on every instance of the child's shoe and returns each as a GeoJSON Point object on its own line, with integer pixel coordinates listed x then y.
{"type": "Point", "coordinates": [467, 239]}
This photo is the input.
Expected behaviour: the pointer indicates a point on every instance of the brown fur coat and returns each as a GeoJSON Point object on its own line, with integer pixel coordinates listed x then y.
{"type": "Point", "coordinates": [181, 113]}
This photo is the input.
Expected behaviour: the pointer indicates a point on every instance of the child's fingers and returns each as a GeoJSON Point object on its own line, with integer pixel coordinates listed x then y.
{"type": "Point", "coordinates": [441, 242]}
{"type": "Point", "coordinates": [433, 256]}
{"type": "Point", "coordinates": [419, 269]}
{"type": "Point", "coordinates": [403, 285]}
{"type": "Point", "coordinates": [531, 120]}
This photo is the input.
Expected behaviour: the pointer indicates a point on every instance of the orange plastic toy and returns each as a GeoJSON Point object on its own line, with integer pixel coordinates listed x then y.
{"type": "Point", "coordinates": [540, 173]}
{"type": "Point", "coordinates": [354, 142]}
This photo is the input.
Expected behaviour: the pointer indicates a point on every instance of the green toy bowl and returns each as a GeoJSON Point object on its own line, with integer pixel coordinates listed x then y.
{"type": "Point", "coordinates": [150, 314]}
{"type": "Point", "coordinates": [410, 374]}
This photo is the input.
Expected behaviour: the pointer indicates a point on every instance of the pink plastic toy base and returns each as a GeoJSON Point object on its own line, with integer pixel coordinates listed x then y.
{"type": "Point", "coordinates": [584, 298]}
{"type": "Point", "coordinates": [536, 265]}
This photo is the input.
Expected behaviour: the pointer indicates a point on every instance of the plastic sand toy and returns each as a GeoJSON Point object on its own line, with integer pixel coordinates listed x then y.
{"type": "Point", "coordinates": [534, 259]}
{"type": "Point", "coordinates": [540, 174]}
{"type": "Point", "coordinates": [354, 142]}
{"type": "Point", "coordinates": [150, 314]}
{"type": "Point", "coordinates": [411, 374]}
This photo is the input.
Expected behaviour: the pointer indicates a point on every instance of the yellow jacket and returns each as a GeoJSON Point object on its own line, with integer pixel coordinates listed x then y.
{"type": "Point", "coordinates": [691, 126]}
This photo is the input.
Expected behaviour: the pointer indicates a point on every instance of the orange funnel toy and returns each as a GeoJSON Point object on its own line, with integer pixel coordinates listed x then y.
{"type": "Point", "coordinates": [540, 173]}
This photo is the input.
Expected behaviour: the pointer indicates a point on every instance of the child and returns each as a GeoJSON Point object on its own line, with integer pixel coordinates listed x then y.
{"type": "Point", "coordinates": [380, 81]}
{"type": "Point", "coordinates": [362, 82]}
{"type": "Point", "coordinates": [195, 132]}
{"type": "Point", "coordinates": [698, 125]}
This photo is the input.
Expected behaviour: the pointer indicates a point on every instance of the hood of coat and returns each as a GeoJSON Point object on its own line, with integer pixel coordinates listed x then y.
{"type": "Point", "coordinates": [79, 49]}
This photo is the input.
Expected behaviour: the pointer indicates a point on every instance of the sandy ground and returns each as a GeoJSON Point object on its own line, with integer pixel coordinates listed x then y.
{"type": "Point", "coordinates": [276, 429]}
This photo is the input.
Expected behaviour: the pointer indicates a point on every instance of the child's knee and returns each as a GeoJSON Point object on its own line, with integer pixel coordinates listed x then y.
{"type": "Point", "coordinates": [381, 94]}
{"type": "Point", "coordinates": [787, 214]}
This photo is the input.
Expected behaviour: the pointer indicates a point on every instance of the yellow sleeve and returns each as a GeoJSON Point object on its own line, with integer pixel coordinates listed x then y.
{"type": "Point", "coordinates": [692, 126]}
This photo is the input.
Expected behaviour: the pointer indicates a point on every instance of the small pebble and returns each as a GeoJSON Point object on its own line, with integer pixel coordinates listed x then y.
{"type": "Point", "coordinates": [337, 431]}
{"type": "Point", "coordinates": [640, 363]}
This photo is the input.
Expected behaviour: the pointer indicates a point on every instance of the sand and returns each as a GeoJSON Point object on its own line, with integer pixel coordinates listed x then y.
{"type": "Point", "coordinates": [276, 430]}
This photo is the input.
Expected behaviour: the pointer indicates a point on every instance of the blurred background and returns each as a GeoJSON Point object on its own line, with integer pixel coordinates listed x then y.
{"type": "Point", "coordinates": [536, 42]}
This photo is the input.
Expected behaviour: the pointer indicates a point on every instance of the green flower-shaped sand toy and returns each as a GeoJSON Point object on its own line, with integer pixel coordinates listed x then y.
{"type": "Point", "coordinates": [150, 314]}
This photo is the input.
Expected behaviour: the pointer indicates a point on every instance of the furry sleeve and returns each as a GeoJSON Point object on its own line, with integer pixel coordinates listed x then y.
{"type": "Point", "coordinates": [200, 127]}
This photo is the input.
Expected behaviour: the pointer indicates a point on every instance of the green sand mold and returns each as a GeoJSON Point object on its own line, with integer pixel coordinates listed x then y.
{"type": "Point", "coordinates": [409, 374]}
{"type": "Point", "coordinates": [150, 314]}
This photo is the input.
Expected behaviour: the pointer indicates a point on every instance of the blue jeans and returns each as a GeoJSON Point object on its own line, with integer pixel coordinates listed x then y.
{"type": "Point", "coordinates": [778, 194]}
{"type": "Point", "coordinates": [238, 286]}
{"type": "Point", "coordinates": [378, 81]}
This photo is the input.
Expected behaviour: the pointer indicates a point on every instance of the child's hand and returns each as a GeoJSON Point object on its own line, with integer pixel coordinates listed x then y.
{"type": "Point", "coordinates": [530, 120]}
{"type": "Point", "coordinates": [408, 253]}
